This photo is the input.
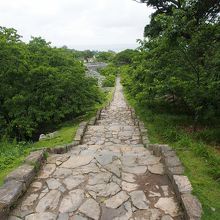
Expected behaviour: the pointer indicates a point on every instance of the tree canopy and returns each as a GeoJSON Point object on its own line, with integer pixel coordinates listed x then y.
{"type": "Point", "coordinates": [40, 85]}
{"type": "Point", "coordinates": [178, 64]}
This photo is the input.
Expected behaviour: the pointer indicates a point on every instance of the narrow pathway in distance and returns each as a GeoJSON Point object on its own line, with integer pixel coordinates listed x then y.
{"type": "Point", "coordinates": [110, 177]}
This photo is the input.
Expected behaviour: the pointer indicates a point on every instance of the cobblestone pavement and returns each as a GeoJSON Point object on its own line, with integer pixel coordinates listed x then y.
{"type": "Point", "coordinates": [110, 176]}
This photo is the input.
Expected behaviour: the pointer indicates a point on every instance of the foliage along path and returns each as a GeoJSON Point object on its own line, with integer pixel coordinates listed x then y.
{"type": "Point", "coordinates": [110, 176]}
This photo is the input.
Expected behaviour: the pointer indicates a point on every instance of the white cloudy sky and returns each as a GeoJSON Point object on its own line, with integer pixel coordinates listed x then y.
{"type": "Point", "coordinates": [80, 24]}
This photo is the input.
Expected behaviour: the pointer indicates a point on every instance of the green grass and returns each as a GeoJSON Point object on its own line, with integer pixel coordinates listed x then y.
{"type": "Point", "coordinates": [12, 154]}
{"type": "Point", "coordinates": [201, 161]}
{"type": "Point", "coordinates": [65, 135]}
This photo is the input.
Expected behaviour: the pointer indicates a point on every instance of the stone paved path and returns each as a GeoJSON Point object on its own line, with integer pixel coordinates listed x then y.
{"type": "Point", "coordinates": [110, 176]}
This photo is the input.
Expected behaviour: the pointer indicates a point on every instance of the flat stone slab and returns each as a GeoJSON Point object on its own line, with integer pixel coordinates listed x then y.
{"type": "Point", "coordinates": [128, 186]}
{"type": "Point", "coordinates": [139, 199]}
{"type": "Point", "coordinates": [135, 169]}
{"type": "Point", "coordinates": [77, 161]}
{"type": "Point", "coordinates": [192, 206]}
{"type": "Point", "coordinates": [156, 169]}
{"type": "Point", "coordinates": [99, 178]}
{"type": "Point", "coordinates": [49, 201]}
{"type": "Point", "coordinates": [53, 183]}
{"type": "Point", "coordinates": [91, 209]}
{"type": "Point", "coordinates": [41, 216]}
{"type": "Point", "coordinates": [47, 170]}
{"type": "Point", "coordinates": [25, 173]}
{"type": "Point", "coordinates": [72, 201]}
{"type": "Point", "coordinates": [117, 200]}
{"type": "Point", "coordinates": [73, 181]}
{"type": "Point", "coordinates": [104, 190]}
{"type": "Point", "coordinates": [128, 177]}
{"type": "Point", "coordinates": [10, 192]}
{"type": "Point", "coordinates": [62, 173]}
{"type": "Point", "coordinates": [35, 157]}
{"type": "Point", "coordinates": [168, 205]}
{"type": "Point", "coordinates": [182, 184]}
{"type": "Point", "coordinates": [28, 203]}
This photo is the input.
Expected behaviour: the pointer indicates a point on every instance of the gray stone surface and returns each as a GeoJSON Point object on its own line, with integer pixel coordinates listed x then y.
{"type": "Point", "coordinates": [73, 181]}
{"type": "Point", "coordinates": [41, 216]}
{"type": "Point", "coordinates": [182, 184]}
{"type": "Point", "coordinates": [77, 161]}
{"type": "Point", "coordinates": [168, 205]}
{"type": "Point", "coordinates": [156, 168]}
{"type": "Point", "coordinates": [117, 200]}
{"type": "Point", "coordinates": [49, 201]}
{"type": "Point", "coordinates": [72, 201]}
{"type": "Point", "coordinates": [91, 209]}
{"type": "Point", "coordinates": [109, 175]}
{"type": "Point", "coordinates": [139, 199]}
{"type": "Point", "coordinates": [192, 207]}
{"type": "Point", "coordinates": [25, 173]}
{"type": "Point", "coordinates": [35, 157]}
{"type": "Point", "coordinates": [10, 192]}
{"type": "Point", "coordinates": [53, 183]}
{"type": "Point", "coordinates": [47, 170]}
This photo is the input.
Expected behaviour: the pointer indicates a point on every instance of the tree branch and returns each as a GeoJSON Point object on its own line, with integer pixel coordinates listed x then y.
{"type": "Point", "coordinates": [141, 1]}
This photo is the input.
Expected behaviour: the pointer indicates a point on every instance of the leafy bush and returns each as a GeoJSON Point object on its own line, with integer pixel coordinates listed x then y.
{"type": "Point", "coordinates": [40, 86]}
{"type": "Point", "coordinates": [110, 72]}
{"type": "Point", "coordinates": [177, 66]}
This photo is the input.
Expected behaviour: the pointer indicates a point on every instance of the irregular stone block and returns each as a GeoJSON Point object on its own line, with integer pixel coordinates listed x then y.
{"type": "Point", "coordinates": [143, 131]}
{"type": "Point", "coordinates": [171, 153]}
{"type": "Point", "coordinates": [172, 161]}
{"type": "Point", "coordinates": [156, 168]}
{"type": "Point", "coordinates": [165, 148]}
{"type": "Point", "coordinates": [49, 202]}
{"type": "Point", "coordinates": [25, 173]}
{"type": "Point", "coordinates": [42, 137]}
{"type": "Point", "coordinates": [47, 170]}
{"type": "Point", "coordinates": [71, 201]}
{"type": "Point", "coordinates": [83, 125]}
{"type": "Point", "coordinates": [115, 201]}
{"type": "Point", "coordinates": [78, 137]}
{"type": "Point", "coordinates": [9, 193]}
{"type": "Point", "coordinates": [77, 161]}
{"type": "Point", "coordinates": [182, 184]}
{"type": "Point", "coordinates": [155, 148]}
{"type": "Point", "coordinates": [192, 207]}
{"type": "Point", "coordinates": [139, 199]}
{"type": "Point", "coordinates": [98, 114]}
{"type": "Point", "coordinates": [141, 124]}
{"type": "Point", "coordinates": [145, 140]}
{"type": "Point", "coordinates": [179, 170]}
{"type": "Point", "coordinates": [35, 157]}
{"type": "Point", "coordinates": [41, 216]}
{"type": "Point", "coordinates": [4, 209]}
{"type": "Point", "coordinates": [136, 122]}
{"type": "Point", "coordinates": [91, 209]}
{"type": "Point", "coordinates": [92, 121]}
{"type": "Point", "coordinates": [58, 149]}
{"type": "Point", "coordinates": [168, 205]}
{"type": "Point", "coordinates": [71, 145]}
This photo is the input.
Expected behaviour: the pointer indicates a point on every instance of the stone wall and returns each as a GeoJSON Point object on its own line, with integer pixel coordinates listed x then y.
{"type": "Point", "coordinates": [175, 171]}
{"type": "Point", "coordinates": [17, 182]}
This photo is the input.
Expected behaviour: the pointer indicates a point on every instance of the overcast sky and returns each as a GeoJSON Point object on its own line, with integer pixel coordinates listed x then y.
{"type": "Point", "coordinates": [79, 24]}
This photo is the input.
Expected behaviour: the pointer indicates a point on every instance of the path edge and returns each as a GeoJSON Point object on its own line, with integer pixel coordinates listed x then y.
{"type": "Point", "coordinates": [174, 169]}
{"type": "Point", "coordinates": [16, 182]}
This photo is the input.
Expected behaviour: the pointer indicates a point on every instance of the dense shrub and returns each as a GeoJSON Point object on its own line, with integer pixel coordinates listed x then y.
{"type": "Point", "coordinates": [110, 72]}
{"type": "Point", "coordinates": [39, 86]}
{"type": "Point", "coordinates": [178, 65]}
